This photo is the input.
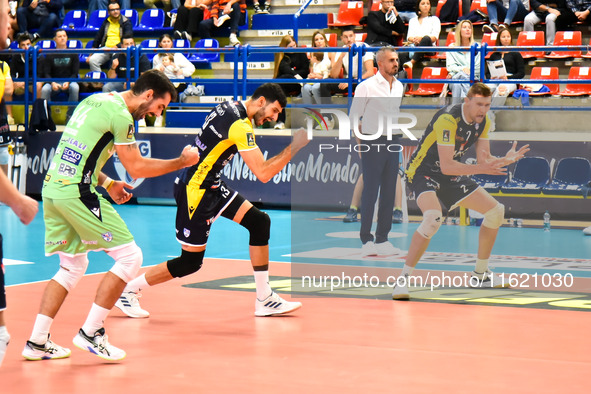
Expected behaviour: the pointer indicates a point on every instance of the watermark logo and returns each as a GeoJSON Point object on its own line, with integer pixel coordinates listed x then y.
{"type": "Point", "coordinates": [318, 118]}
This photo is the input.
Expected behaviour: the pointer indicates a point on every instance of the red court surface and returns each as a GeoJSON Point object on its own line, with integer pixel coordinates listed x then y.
{"type": "Point", "coordinates": [202, 340]}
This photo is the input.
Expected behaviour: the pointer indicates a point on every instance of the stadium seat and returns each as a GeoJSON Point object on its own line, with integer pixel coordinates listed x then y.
{"type": "Point", "coordinates": [76, 44]}
{"type": "Point", "coordinates": [588, 54]}
{"type": "Point", "coordinates": [571, 177]}
{"type": "Point", "coordinates": [430, 89]}
{"type": "Point", "coordinates": [152, 19]}
{"type": "Point", "coordinates": [332, 39]}
{"type": "Point", "coordinates": [149, 44]}
{"type": "Point", "coordinates": [481, 6]}
{"type": "Point", "coordinates": [531, 39]}
{"type": "Point", "coordinates": [491, 183]}
{"type": "Point", "coordinates": [95, 75]}
{"type": "Point", "coordinates": [74, 20]}
{"type": "Point", "coordinates": [349, 14]}
{"type": "Point", "coordinates": [46, 44]}
{"type": "Point", "coordinates": [205, 57]}
{"type": "Point", "coordinates": [545, 73]}
{"type": "Point", "coordinates": [451, 38]}
{"type": "Point", "coordinates": [132, 16]}
{"type": "Point", "coordinates": [489, 39]}
{"type": "Point", "coordinates": [440, 3]}
{"type": "Point", "coordinates": [578, 89]}
{"type": "Point", "coordinates": [530, 176]}
{"type": "Point", "coordinates": [84, 56]}
{"type": "Point", "coordinates": [564, 38]}
{"type": "Point", "coordinates": [376, 6]}
{"type": "Point", "coordinates": [360, 37]}
{"type": "Point", "coordinates": [95, 20]}
{"type": "Point", "coordinates": [182, 44]}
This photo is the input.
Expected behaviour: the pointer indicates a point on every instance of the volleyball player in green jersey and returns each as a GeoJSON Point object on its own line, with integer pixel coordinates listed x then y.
{"type": "Point", "coordinates": [435, 173]}
{"type": "Point", "coordinates": [78, 219]}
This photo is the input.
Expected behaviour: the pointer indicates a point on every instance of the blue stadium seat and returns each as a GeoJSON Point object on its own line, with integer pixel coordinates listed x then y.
{"type": "Point", "coordinates": [95, 20]}
{"type": "Point", "coordinates": [571, 177]}
{"type": "Point", "coordinates": [46, 44]}
{"type": "Point", "coordinates": [152, 20]}
{"type": "Point", "coordinates": [132, 16]}
{"type": "Point", "coordinates": [491, 183]}
{"type": "Point", "coordinates": [74, 20]}
{"type": "Point", "coordinates": [181, 44]}
{"type": "Point", "coordinates": [152, 43]}
{"type": "Point", "coordinates": [530, 176]}
{"type": "Point", "coordinates": [206, 57]}
{"type": "Point", "coordinates": [75, 44]}
{"type": "Point", "coordinates": [84, 56]}
{"type": "Point", "coordinates": [95, 75]}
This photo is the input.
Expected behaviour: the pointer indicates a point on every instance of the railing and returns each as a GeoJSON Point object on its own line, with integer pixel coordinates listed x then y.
{"type": "Point", "coordinates": [296, 18]}
{"type": "Point", "coordinates": [241, 79]}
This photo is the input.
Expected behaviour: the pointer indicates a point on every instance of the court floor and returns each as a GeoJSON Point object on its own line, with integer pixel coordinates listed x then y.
{"type": "Point", "coordinates": [349, 336]}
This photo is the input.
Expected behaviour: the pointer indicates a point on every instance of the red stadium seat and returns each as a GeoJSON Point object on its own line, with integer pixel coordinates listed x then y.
{"type": "Point", "coordinates": [332, 39]}
{"type": "Point", "coordinates": [531, 39]}
{"type": "Point", "coordinates": [451, 38]}
{"type": "Point", "coordinates": [376, 6]}
{"type": "Point", "coordinates": [564, 38]}
{"type": "Point", "coordinates": [440, 4]}
{"type": "Point", "coordinates": [578, 89]}
{"type": "Point", "coordinates": [349, 14]}
{"type": "Point", "coordinates": [545, 73]}
{"type": "Point", "coordinates": [489, 39]}
{"type": "Point", "coordinates": [481, 6]}
{"type": "Point", "coordinates": [430, 89]}
{"type": "Point", "coordinates": [588, 54]}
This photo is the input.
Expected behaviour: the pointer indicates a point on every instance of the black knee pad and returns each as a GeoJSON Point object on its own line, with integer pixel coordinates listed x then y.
{"type": "Point", "coordinates": [186, 264]}
{"type": "Point", "coordinates": [259, 225]}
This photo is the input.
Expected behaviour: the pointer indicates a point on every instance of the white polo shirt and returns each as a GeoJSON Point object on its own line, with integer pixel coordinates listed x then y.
{"type": "Point", "coordinates": [375, 102]}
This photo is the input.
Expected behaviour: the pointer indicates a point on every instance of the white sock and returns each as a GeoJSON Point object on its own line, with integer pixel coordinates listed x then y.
{"type": "Point", "coordinates": [137, 284]}
{"type": "Point", "coordinates": [41, 329]}
{"type": "Point", "coordinates": [261, 279]}
{"type": "Point", "coordinates": [95, 320]}
{"type": "Point", "coordinates": [481, 266]}
{"type": "Point", "coordinates": [4, 339]}
{"type": "Point", "coordinates": [407, 270]}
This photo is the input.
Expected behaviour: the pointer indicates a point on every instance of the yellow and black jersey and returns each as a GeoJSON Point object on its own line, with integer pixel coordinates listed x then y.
{"type": "Point", "coordinates": [226, 130]}
{"type": "Point", "coordinates": [448, 127]}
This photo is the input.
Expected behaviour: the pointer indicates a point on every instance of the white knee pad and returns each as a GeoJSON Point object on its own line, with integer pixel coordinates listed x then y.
{"type": "Point", "coordinates": [430, 224]}
{"type": "Point", "coordinates": [72, 268]}
{"type": "Point", "coordinates": [494, 217]}
{"type": "Point", "coordinates": [128, 261]}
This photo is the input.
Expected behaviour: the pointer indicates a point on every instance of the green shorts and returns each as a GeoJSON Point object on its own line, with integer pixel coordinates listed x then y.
{"type": "Point", "coordinates": [76, 225]}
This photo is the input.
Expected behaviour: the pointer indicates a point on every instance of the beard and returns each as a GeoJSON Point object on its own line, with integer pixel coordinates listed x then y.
{"type": "Point", "coordinates": [259, 117]}
{"type": "Point", "coordinates": [141, 111]}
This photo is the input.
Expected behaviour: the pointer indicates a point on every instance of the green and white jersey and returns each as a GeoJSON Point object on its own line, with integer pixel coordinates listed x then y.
{"type": "Point", "coordinates": [99, 122]}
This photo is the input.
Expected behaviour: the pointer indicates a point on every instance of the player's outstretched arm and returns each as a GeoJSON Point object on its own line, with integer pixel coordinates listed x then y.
{"type": "Point", "coordinates": [265, 170]}
{"type": "Point", "coordinates": [514, 155]}
{"type": "Point", "coordinates": [144, 167]}
{"type": "Point", "coordinates": [486, 163]}
{"type": "Point", "coordinates": [23, 206]}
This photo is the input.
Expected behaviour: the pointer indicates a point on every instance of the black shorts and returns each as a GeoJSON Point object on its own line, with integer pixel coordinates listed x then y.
{"type": "Point", "coordinates": [2, 291]}
{"type": "Point", "coordinates": [449, 189]}
{"type": "Point", "coordinates": [193, 230]}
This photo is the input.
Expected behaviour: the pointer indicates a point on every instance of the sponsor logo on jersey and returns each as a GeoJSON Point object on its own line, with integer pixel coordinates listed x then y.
{"type": "Point", "coordinates": [200, 144]}
{"type": "Point", "coordinates": [87, 178]}
{"type": "Point", "coordinates": [96, 212]}
{"type": "Point", "coordinates": [65, 170]}
{"type": "Point", "coordinates": [220, 110]}
{"type": "Point", "coordinates": [210, 221]}
{"type": "Point", "coordinates": [76, 143]}
{"type": "Point", "coordinates": [71, 156]}
{"type": "Point", "coordinates": [446, 134]}
{"type": "Point", "coordinates": [145, 150]}
{"type": "Point", "coordinates": [250, 139]}
{"type": "Point", "coordinates": [186, 232]}
{"type": "Point", "coordinates": [85, 242]}
{"type": "Point", "coordinates": [60, 242]}
{"type": "Point", "coordinates": [130, 132]}
{"type": "Point", "coordinates": [47, 178]}
{"type": "Point", "coordinates": [107, 236]}
{"type": "Point", "coordinates": [212, 128]}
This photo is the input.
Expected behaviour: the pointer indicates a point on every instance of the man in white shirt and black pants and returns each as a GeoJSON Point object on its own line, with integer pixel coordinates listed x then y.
{"type": "Point", "coordinates": [376, 104]}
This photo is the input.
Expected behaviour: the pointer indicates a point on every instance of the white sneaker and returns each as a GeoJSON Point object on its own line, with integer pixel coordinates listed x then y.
{"type": "Point", "coordinates": [234, 40]}
{"type": "Point", "coordinates": [10, 119]}
{"type": "Point", "coordinates": [4, 341]}
{"type": "Point", "coordinates": [159, 121]}
{"type": "Point", "coordinates": [386, 249]}
{"type": "Point", "coordinates": [487, 279]}
{"type": "Point", "coordinates": [274, 305]}
{"type": "Point", "coordinates": [222, 19]}
{"type": "Point", "coordinates": [587, 231]}
{"type": "Point", "coordinates": [279, 126]}
{"type": "Point", "coordinates": [99, 345]}
{"type": "Point", "coordinates": [141, 123]}
{"type": "Point", "coordinates": [400, 291]}
{"type": "Point", "coordinates": [47, 351]}
{"type": "Point", "coordinates": [368, 249]}
{"type": "Point", "coordinates": [130, 305]}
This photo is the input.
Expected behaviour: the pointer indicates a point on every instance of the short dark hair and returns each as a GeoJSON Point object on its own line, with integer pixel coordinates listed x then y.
{"type": "Point", "coordinates": [23, 37]}
{"type": "Point", "coordinates": [58, 30]}
{"type": "Point", "coordinates": [479, 89]}
{"type": "Point", "coordinates": [127, 36]}
{"type": "Point", "coordinates": [114, 2]}
{"type": "Point", "coordinates": [157, 81]}
{"type": "Point", "coordinates": [271, 92]}
{"type": "Point", "coordinates": [347, 28]}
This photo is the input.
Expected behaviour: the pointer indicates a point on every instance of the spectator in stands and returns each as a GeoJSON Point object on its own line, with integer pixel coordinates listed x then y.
{"type": "Point", "coordinates": [185, 68]}
{"type": "Point", "coordinates": [5, 91]}
{"type": "Point", "coordinates": [507, 10]}
{"type": "Point", "coordinates": [42, 14]}
{"type": "Point", "coordinates": [94, 5]}
{"type": "Point", "coordinates": [317, 92]}
{"type": "Point", "coordinates": [458, 64]}
{"type": "Point", "coordinates": [60, 65]}
{"type": "Point", "coordinates": [406, 9]}
{"type": "Point", "coordinates": [109, 35]}
{"type": "Point", "coordinates": [119, 67]}
{"type": "Point", "coordinates": [581, 9]}
{"type": "Point", "coordinates": [17, 70]}
{"type": "Point", "coordinates": [288, 65]}
{"type": "Point", "coordinates": [266, 7]}
{"type": "Point", "coordinates": [189, 16]}
{"type": "Point", "coordinates": [423, 30]}
{"type": "Point", "coordinates": [342, 63]}
{"type": "Point", "coordinates": [166, 5]}
{"type": "Point", "coordinates": [515, 67]}
{"type": "Point", "coordinates": [555, 13]}
{"type": "Point", "coordinates": [224, 13]}
{"type": "Point", "coordinates": [385, 27]}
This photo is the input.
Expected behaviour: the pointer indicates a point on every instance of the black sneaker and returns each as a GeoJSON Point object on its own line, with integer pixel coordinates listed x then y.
{"type": "Point", "coordinates": [397, 216]}
{"type": "Point", "coordinates": [490, 28]}
{"type": "Point", "coordinates": [35, 37]}
{"type": "Point", "coordinates": [351, 216]}
{"type": "Point", "coordinates": [257, 8]}
{"type": "Point", "coordinates": [267, 9]}
{"type": "Point", "coordinates": [177, 35]}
